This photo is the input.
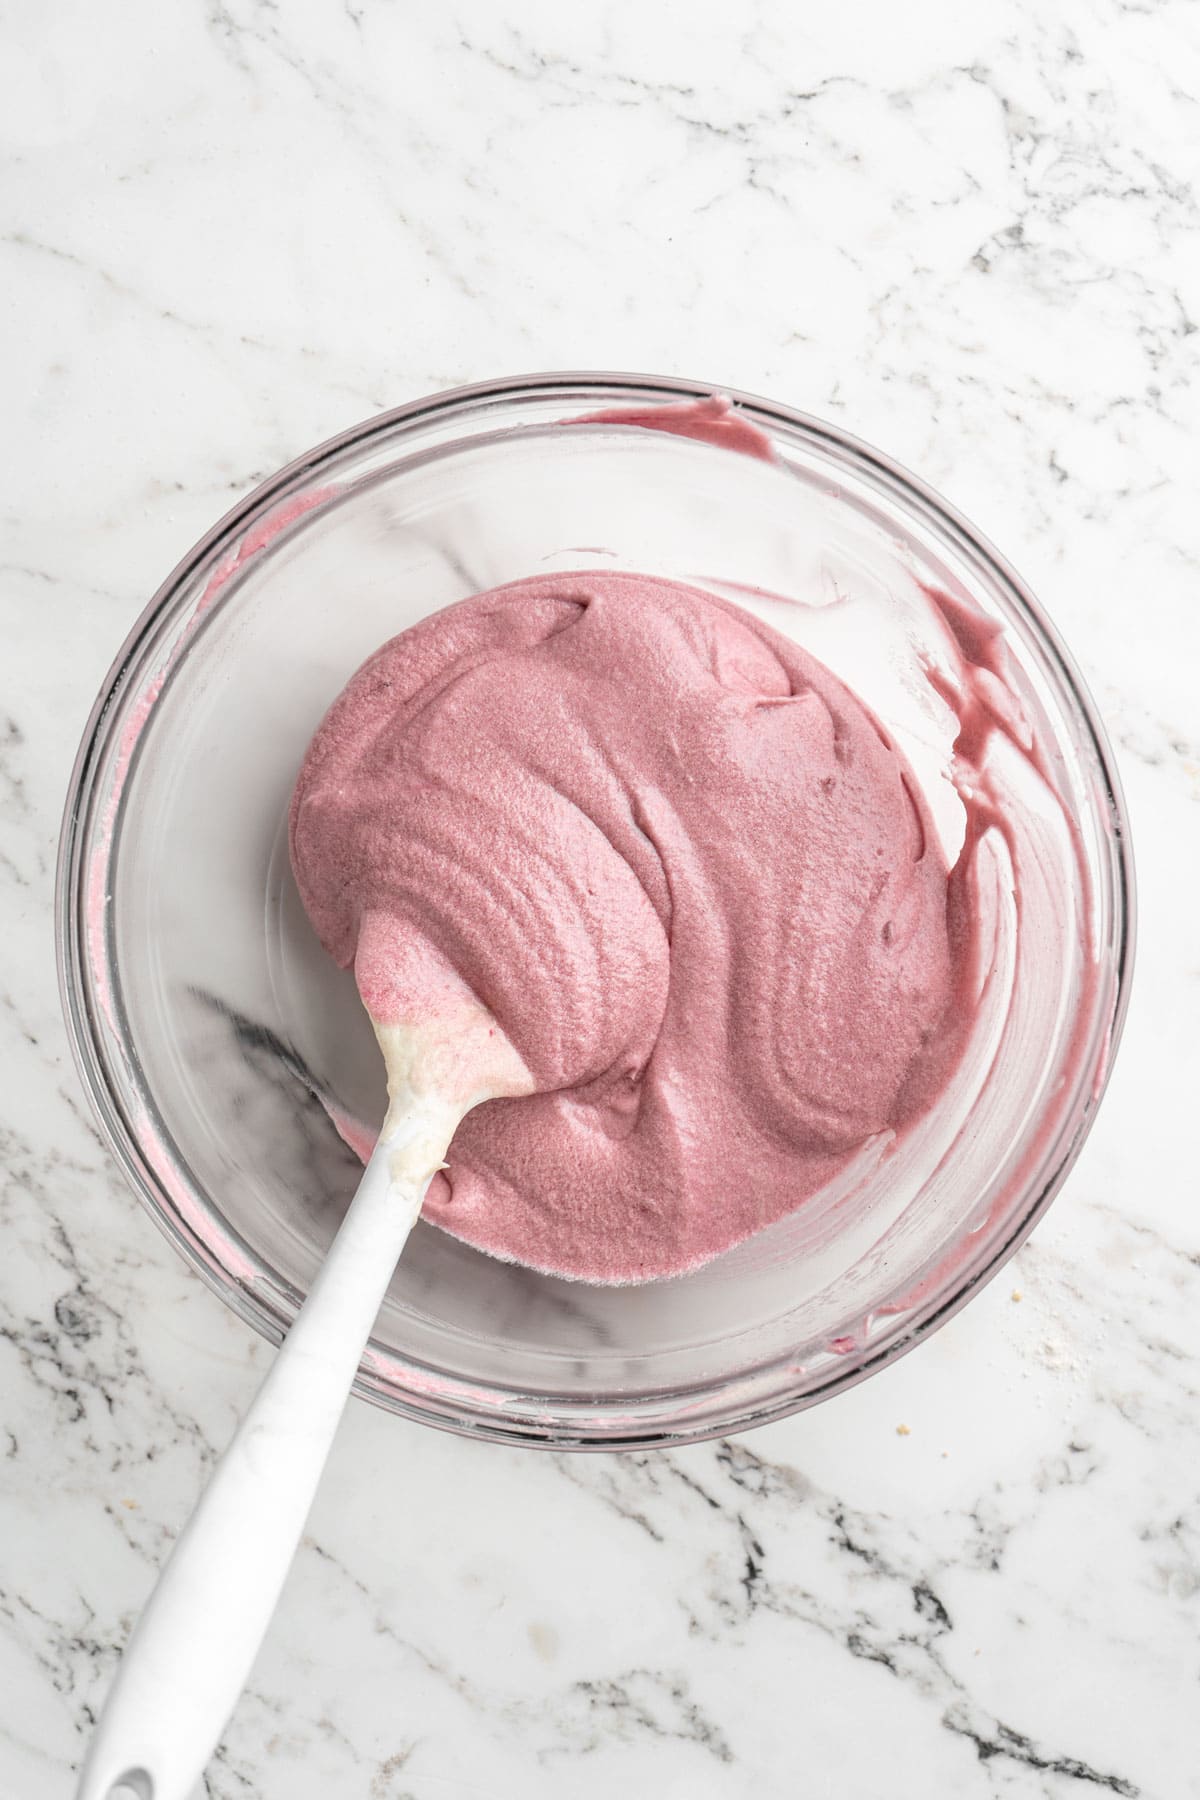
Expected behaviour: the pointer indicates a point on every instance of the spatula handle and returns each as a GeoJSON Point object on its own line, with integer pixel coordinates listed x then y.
{"type": "Point", "coordinates": [194, 1645]}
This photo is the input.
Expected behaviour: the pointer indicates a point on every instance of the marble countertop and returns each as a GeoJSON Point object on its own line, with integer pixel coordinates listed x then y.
{"type": "Point", "coordinates": [229, 230]}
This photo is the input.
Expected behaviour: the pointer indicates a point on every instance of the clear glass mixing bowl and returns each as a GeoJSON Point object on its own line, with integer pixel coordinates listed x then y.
{"type": "Point", "coordinates": [218, 1044]}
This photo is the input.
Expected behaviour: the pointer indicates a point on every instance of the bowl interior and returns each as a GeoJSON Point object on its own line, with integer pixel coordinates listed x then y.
{"type": "Point", "coordinates": [234, 1054]}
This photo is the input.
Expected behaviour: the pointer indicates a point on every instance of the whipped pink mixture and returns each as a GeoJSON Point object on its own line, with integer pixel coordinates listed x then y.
{"type": "Point", "coordinates": [690, 875]}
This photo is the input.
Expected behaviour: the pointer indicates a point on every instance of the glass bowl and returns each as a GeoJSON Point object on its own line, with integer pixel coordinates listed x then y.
{"type": "Point", "coordinates": [222, 1050]}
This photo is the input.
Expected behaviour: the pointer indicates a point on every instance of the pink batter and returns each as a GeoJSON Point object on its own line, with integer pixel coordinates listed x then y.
{"type": "Point", "coordinates": [687, 871]}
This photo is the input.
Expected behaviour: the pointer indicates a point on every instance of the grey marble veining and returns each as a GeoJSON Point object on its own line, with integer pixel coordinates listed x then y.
{"type": "Point", "coordinates": [972, 237]}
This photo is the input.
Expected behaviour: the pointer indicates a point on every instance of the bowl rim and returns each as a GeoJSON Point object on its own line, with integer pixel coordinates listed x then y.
{"type": "Point", "coordinates": [668, 1417]}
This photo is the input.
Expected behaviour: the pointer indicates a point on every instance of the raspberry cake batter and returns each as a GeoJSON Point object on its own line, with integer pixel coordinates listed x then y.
{"type": "Point", "coordinates": [688, 874]}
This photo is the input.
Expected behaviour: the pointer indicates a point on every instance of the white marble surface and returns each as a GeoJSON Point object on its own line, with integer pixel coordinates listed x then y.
{"type": "Point", "coordinates": [970, 234]}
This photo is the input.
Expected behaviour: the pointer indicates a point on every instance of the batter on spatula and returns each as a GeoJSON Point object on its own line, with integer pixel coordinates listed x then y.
{"type": "Point", "coordinates": [688, 874]}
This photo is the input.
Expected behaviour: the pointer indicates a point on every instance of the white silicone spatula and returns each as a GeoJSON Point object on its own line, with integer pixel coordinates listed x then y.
{"type": "Point", "coordinates": [194, 1644]}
